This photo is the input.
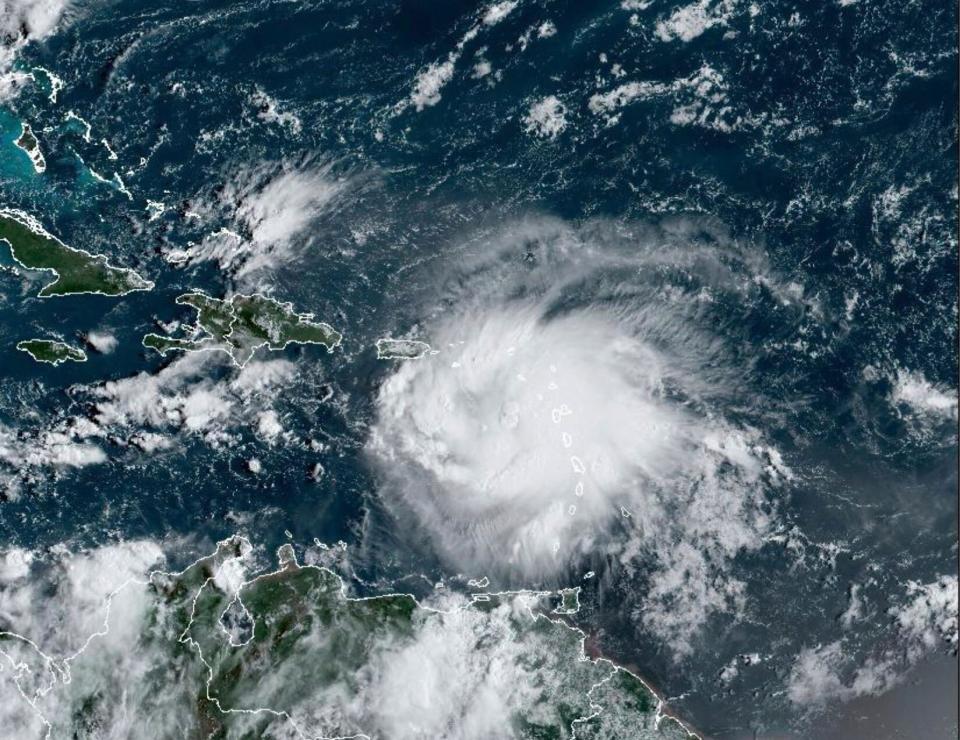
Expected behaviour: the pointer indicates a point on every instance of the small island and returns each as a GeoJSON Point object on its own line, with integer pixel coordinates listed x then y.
{"type": "Point", "coordinates": [29, 144]}
{"type": "Point", "coordinates": [77, 271]}
{"type": "Point", "coordinates": [401, 349]}
{"type": "Point", "coordinates": [242, 324]}
{"type": "Point", "coordinates": [51, 351]}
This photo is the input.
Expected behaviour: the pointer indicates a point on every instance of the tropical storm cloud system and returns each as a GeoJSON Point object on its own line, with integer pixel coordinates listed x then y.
{"type": "Point", "coordinates": [478, 370]}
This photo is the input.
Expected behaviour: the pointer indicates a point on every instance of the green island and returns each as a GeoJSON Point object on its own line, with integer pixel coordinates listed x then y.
{"type": "Point", "coordinates": [240, 325]}
{"type": "Point", "coordinates": [76, 270]}
{"type": "Point", "coordinates": [401, 349]}
{"type": "Point", "coordinates": [289, 654]}
{"type": "Point", "coordinates": [51, 351]}
{"type": "Point", "coordinates": [29, 144]}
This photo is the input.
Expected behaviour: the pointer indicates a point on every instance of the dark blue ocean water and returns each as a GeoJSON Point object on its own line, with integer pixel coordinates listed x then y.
{"type": "Point", "coordinates": [821, 135]}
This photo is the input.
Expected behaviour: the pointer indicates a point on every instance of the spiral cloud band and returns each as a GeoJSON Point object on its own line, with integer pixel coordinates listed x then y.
{"type": "Point", "coordinates": [573, 408]}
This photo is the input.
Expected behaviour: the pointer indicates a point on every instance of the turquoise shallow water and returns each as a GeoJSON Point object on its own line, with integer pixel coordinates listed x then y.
{"type": "Point", "coordinates": [16, 164]}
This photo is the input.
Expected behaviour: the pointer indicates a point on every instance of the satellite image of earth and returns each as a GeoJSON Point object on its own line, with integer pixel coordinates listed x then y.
{"type": "Point", "coordinates": [478, 370]}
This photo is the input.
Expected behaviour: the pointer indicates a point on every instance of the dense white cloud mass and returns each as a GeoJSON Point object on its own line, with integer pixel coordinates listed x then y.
{"type": "Point", "coordinates": [283, 208]}
{"type": "Point", "coordinates": [39, 18]}
{"type": "Point", "coordinates": [518, 421]}
{"type": "Point", "coordinates": [78, 626]}
{"type": "Point", "coordinates": [22, 21]}
{"type": "Point", "coordinates": [76, 592]}
{"type": "Point", "coordinates": [549, 425]}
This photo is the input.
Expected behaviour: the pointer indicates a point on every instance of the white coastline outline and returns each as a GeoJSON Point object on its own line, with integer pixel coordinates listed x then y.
{"type": "Point", "coordinates": [286, 561]}
{"type": "Point", "coordinates": [56, 83]}
{"type": "Point", "coordinates": [55, 363]}
{"type": "Point", "coordinates": [36, 156]}
{"type": "Point", "coordinates": [386, 354]}
{"type": "Point", "coordinates": [197, 327]}
{"type": "Point", "coordinates": [34, 225]}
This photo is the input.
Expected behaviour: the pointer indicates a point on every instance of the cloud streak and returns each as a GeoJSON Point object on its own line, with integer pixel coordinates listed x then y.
{"type": "Point", "coordinates": [270, 208]}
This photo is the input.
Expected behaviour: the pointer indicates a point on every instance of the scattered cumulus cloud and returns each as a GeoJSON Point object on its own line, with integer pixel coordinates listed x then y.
{"type": "Point", "coordinates": [855, 607]}
{"type": "Point", "coordinates": [481, 69]}
{"type": "Point", "coordinates": [546, 118]}
{"type": "Point", "coordinates": [271, 209]}
{"type": "Point", "coordinates": [699, 100]}
{"type": "Point", "coordinates": [268, 425]}
{"type": "Point", "coordinates": [929, 617]}
{"type": "Point", "coordinates": [814, 676]}
{"type": "Point", "coordinates": [818, 676]}
{"type": "Point", "coordinates": [691, 21]}
{"type": "Point", "coordinates": [102, 342]}
{"type": "Point", "coordinates": [269, 110]}
{"type": "Point", "coordinates": [183, 397]}
{"type": "Point", "coordinates": [151, 412]}
{"type": "Point", "coordinates": [431, 79]}
{"type": "Point", "coordinates": [924, 619]}
{"type": "Point", "coordinates": [498, 11]}
{"type": "Point", "coordinates": [62, 446]}
{"type": "Point", "coordinates": [920, 396]}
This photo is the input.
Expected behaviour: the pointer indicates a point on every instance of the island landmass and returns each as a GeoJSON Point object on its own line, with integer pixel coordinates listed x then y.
{"type": "Point", "coordinates": [51, 351]}
{"type": "Point", "coordinates": [401, 349]}
{"type": "Point", "coordinates": [240, 325]}
{"type": "Point", "coordinates": [290, 654]}
{"type": "Point", "coordinates": [27, 141]}
{"type": "Point", "coordinates": [76, 270]}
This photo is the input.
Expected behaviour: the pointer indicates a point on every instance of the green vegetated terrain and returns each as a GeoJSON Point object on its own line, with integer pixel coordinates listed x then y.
{"type": "Point", "coordinates": [76, 271]}
{"type": "Point", "coordinates": [31, 147]}
{"type": "Point", "coordinates": [51, 351]}
{"type": "Point", "coordinates": [288, 654]}
{"type": "Point", "coordinates": [243, 323]}
{"type": "Point", "coordinates": [27, 141]}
